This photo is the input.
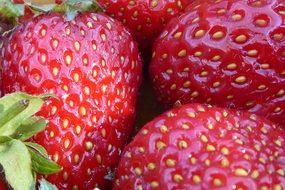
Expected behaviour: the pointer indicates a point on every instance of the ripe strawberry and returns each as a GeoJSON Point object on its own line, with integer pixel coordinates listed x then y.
{"type": "Point", "coordinates": [228, 53]}
{"type": "Point", "coordinates": [92, 64]}
{"type": "Point", "coordinates": [144, 18]}
{"type": "Point", "coordinates": [203, 147]}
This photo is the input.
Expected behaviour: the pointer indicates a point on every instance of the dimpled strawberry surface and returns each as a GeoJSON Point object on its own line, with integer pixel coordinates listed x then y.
{"type": "Point", "coordinates": [228, 53]}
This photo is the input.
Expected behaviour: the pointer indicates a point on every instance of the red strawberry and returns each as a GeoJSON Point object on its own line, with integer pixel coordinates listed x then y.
{"type": "Point", "coordinates": [92, 64]}
{"type": "Point", "coordinates": [203, 147]}
{"type": "Point", "coordinates": [228, 53]}
{"type": "Point", "coordinates": [144, 18]}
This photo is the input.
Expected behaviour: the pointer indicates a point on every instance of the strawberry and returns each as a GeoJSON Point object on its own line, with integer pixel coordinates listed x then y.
{"type": "Point", "coordinates": [93, 66]}
{"type": "Point", "coordinates": [226, 53]}
{"type": "Point", "coordinates": [202, 147]}
{"type": "Point", "coordinates": [144, 18]}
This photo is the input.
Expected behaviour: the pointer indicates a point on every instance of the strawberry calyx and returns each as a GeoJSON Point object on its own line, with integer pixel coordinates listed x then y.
{"type": "Point", "coordinates": [14, 12]}
{"type": "Point", "coordinates": [20, 159]}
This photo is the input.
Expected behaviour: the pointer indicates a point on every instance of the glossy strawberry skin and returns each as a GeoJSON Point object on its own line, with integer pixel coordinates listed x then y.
{"type": "Point", "coordinates": [229, 53]}
{"type": "Point", "coordinates": [92, 64]}
{"type": "Point", "coordinates": [202, 147]}
{"type": "Point", "coordinates": [145, 19]}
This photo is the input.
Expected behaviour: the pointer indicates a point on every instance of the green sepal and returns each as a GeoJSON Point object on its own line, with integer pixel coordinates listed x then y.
{"type": "Point", "coordinates": [43, 165]}
{"type": "Point", "coordinates": [13, 111]}
{"type": "Point", "coordinates": [10, 11]}
{"type": "Point", "coordinates": [16, 162]}
{"type": "Point", "coordinates": [5, 139]}
{"type": "Point", "coordinates": [38, 148]}
{"type": "Point", "coordinates": [29, 128]}
{"type": "Point", "coordinates": [45, 185]}
{"type": "Point", "coordinates": [6, 102]}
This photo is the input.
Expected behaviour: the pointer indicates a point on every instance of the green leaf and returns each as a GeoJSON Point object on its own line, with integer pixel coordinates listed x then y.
{"type": "Point", "coordinates": [6, 102]}
{"type": "Point", "coordinates": [16, 162]}
{"type": "Point", "coordinates": [43, 165]}
{"type": "Point", "coordinates": [45, 185]}
{"type": "Point", "coordinates": [4, 139]}
{"type": "Point", "coordinates": [13, 111]}
{"type": "Point", "coordinates": [11, 11]}
{"type": "Point", "coordinates": [29, 128]}
{"type": "Point", "coordinates": [38, 148]}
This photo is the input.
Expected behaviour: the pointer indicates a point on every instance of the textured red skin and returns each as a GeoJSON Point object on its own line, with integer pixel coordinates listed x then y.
{"type": "Point", "coordinates": [265, 101]}
{"type": "Point", "coordinates": [261, 141]}
{"type": "Point", "coordinates": [157, 15]}
{"type": "Point", "coordinates": [109, 115]}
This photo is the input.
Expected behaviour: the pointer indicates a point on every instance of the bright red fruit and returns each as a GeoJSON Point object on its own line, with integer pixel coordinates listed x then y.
{"type": "Point", "coordinates": [228, 53]}
{"type": "Point", "coordinates": [92, 64]}
{"type": "Point", "coordinates": [144, 18]}
{"type": "Point", "coordinates": [202, 147]}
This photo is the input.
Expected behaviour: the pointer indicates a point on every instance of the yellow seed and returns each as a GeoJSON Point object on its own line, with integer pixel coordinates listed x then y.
{"type": "Point", "coordinates": [237, 17]}
{"type": "Point", "coordinates": [82, 111]}
{"type": "Point", "coordinates": [231, 66]}
{"type": "Point", "coordinates": [138, 171]}
{"type": "Point", "coordinates": [51, 134]}
{"type": "Point", "coordinates": [280, 92]}
{"type": "Point", "coordinates": [182, 144]}
{"type": "Point", "coordinates": [192, 114]}
{"type": "Point", "coordinates": [55, 43]}
{"type": "Point", "coordinates": [141, 149]}
{"type": "Point", "coordinates": [198, 53]}
{"type": "Point", "coordinates": [204, 138]}
{"type": "Point", "coordinates": [281, 12]}
{"type": "Point", "coordinates": [194, 94]}
{"type": "Point", "coordinates": [77, 129]}
{"type": "Point", "coordinates": [74, 187]}
{"type": "Point", "coordinates": [151, 166]}
{"type": "Point", "coordinates": [130, 3]}
{"type": "Point", "coordinates": [225, 151]}
{"type": "Point", "coordinates": [182, 53]}
{"type": "Point", "coordinates": [185, 126]}
{"type": "Point", "coordinates": [240, 79]}
{"type": "Point", "coordinates": [252, 53]}
{"type": "Point", "coordinates": [225, 162]}
{"type": "Point", "coordinates": [89, 24]}
{"type": "Point", "coordinates": [217, 182]}
{"type": "Point", "coordinates": [164, 56]}
{"type": "Point", "coordinates": [98, 158]}
{"type": "Point", "coordinates": [43, 32]}
{"type": "Point", "coordinates": [160, 145]}
{"type": "Point", "coordinates": [68, 59]}
{"type": "Point", "coordinates": [264, 66]}
{"type": "Point", "coordinates": [218, 35]}
{"type": "Point", "coordinates": [216, 84]}
{"type": "Point", "coordinates": [241, 38]}
{"type": "Point", "coordinates": [210, 126]}
{"type": "Point", "coordinates": [196, 179]}
{"type": "Point", "coordinates": [187, 84]}
{"type": "Point", "coordinates": [278, 109]}
{"type": "Point", "coordinates": [193, 160]}
{"type": "Point", "coordinates": [177, 35]}
{"type": "Point", "coordinates": [66, 143]}
{"type": "Point", "coordinates": [65, 123]}
{"type": "Point", "coordinates": [204, 73]}
{"type": "Point", "coordinates": [178, 178]}
{"type": "Point", "coordinates": [281, 172]}
{"type": "Point", "coordinates": [240, 172]}
{"type": "Point", "coordinates": [277, 187]}
{"type": "Point", "coordinates": [216, 58]}
{"type": "Point", "coordinates": [65, 176]}
{"type": "Point", "coordinates": [154, 184]}
{"type": "Point", "coordinates": [278, 36]}
{"type": "Point", "coordinates": [135, 14]}
{"type": "Point", "coordinates": [238, 141]}
{"type": "Point", "coordinates": [76, 158]}
{"type": "Point", "coordinates": [255, 174]}
{"type": "Point", "coordinates": [200, 33]}
{"type": "Point", "coordinates": [170, 162]}
{"type": "Point", "coordinates": [210, 148]}
{"type": "Point", "coordinates": [88, 145]}
{"type": "Point", "coordinates": [173, 87]}
{"type": "Point", "coordinates": [163, 128]}
{"type": "Point", "coordinates": [195, 20]}
{"type": "Point", "coordinates": [221, 11]}
{"type": "Point", "coordinates": [154, 3]}
{"type": "Point", "coordinates": [77, 46]}
{"type": "Point", "coordinates": [207, 162]}
{"type": "Point", "coordinates": [261, 22]}
{"type": "Point", "coordinates": [103, 37]}
{"type": "Point", "coordinates": [278, 143]}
